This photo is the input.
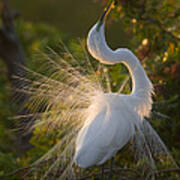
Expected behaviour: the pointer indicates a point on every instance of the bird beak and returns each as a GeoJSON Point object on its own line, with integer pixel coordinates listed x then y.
{"type": "Point", "coordinates": [105, 14]}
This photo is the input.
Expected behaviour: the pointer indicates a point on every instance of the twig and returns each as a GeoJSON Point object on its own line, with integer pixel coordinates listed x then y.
{"type": "Point", "coordinates": [16, 171]}
{"type": "Point", "coordinates": [175, 170]}
{"type": "Point", "coordinates": [106, 171]}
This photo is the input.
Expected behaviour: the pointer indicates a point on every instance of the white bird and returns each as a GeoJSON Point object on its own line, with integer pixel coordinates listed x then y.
{"type": "Point", "coordinates": [113, 117]}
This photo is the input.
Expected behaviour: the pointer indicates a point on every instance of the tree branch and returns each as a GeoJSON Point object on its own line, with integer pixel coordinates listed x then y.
{"type": "Point", "coordinates": [106, 171]}
{"type": "Point", "coordinates": [115, 171]}
{"type": "Point", "coordinates": [164, 171]}
{"type": "Point", "coordinates": [16, 171]}
{"type": "Point", "coordinates": [12, 53]}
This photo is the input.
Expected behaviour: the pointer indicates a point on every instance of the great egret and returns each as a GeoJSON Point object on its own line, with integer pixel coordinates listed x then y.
{"type": "Point", "coordinates": [88, 125]}
{"type": "Point", "coordinates": [114, 117]}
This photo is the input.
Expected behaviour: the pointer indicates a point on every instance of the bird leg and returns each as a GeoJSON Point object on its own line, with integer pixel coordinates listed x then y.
{"type": "Point", "coordinates": [102, 172]}
{"type": "Point", "coordinates": [111, 169]}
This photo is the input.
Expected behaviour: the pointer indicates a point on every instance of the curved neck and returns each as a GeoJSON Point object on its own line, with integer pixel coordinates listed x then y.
{"type": "Point", "coordinates": [99, 49]}
{"type": "Point", "coordinates": [140, 82]}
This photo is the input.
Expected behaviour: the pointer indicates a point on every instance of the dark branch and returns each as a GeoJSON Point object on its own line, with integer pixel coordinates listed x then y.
{"type": "Point", "coordinates": [12, 54]}
{"type": "Point", "coordinates": [116, 171]}
{"type": "Point", "coordinates": [164, 171]}
{"type": "Point", "coordinates": [16, 171]}
{"type": "Point", "coordinates": [176, 170]}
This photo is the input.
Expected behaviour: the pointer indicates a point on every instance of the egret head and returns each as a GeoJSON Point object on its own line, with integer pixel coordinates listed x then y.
{"type": "Point", "coordinates": [96, 42]}
{"type": "Point", "coordinates": [104, 15]}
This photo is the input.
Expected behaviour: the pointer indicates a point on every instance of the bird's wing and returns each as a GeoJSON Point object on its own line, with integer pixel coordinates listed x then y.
{"type": "Point", "coordinates": [118, 131]}
{"type": "Point", "coordinates": [88, 152]}
{"type": "Point", "coordinates": [106, 131]}
{"type": "Point", "coordinates": [141, 103]}
{"type": "Point", "coordinates": [118, 125]}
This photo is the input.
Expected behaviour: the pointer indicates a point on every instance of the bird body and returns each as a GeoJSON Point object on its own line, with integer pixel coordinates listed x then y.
{"type": "Point", "coordinates": [90, 125]}
{"type": "Point", "coordinates": [107, 129]}
{"type": "Point", "coordinates": [112, 117]}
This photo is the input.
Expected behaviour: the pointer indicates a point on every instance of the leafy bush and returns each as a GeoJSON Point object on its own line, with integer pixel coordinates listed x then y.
{"type": "Point", "coordinates": [154, 28]}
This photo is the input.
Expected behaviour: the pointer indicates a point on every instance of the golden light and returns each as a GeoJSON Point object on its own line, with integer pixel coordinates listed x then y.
{"type": "Point", "coordinates": [145, 42]}
{"type": "Point", "coordinates": [134, 21]}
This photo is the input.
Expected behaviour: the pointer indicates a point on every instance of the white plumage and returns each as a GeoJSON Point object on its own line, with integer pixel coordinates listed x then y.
{"type": "Point", "coordinates": [112, 118]}
{"type": "Point", "coordinates": [108, 128]}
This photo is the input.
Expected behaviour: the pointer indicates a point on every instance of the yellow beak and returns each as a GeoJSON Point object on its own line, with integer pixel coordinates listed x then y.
{"type": "Point", "coordinates": [105, 14]}
{"type": "Point", "coordinates": [107, 11]}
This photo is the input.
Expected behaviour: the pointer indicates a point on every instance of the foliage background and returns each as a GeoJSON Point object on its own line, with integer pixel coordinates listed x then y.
{"type": "Point", "coordinates": [148, 28]}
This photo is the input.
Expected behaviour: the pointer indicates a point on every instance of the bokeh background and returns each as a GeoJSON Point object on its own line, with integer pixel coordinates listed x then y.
{"type": "Point", "coordinates": [151, 29]}
{"type": "Point", "coordinates": [74, 19]}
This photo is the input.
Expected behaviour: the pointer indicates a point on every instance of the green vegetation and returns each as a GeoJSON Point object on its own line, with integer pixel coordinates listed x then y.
{"type": "Point", "coordinates": [154, 28]}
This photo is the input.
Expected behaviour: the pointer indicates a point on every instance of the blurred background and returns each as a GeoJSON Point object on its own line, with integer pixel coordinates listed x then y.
{"type": "Point", "coordinates": [151, 29]}
{"type": "Point", "coordinates": [73, 19]}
